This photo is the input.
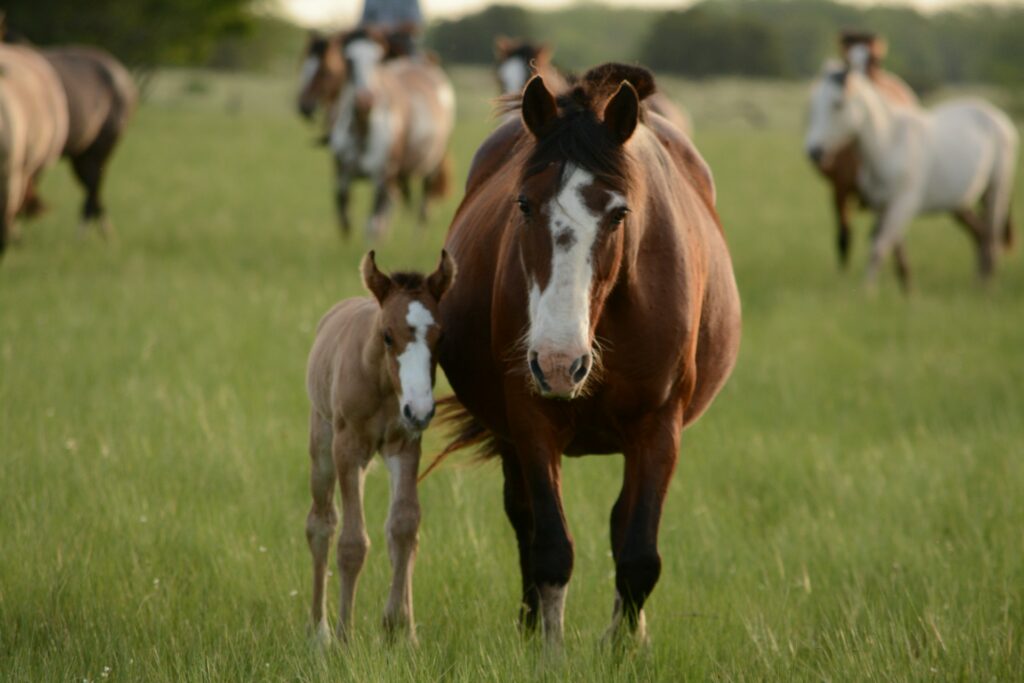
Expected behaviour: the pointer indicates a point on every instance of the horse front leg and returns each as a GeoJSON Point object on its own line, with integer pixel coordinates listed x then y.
{"type": "Point", "coordinates": [650, 458]}
{"type": "Point", "coordinates": [342, 182]}
{"type": "Point", "coordinates": [403, 530]}
{"type": "Point", "coordinates": [377, 226]}
{"type": "Point", "coordinates": [551, 547]}
{"type": "Point", "coordinates": [520, 515]}
{"type": "Point", "coordinates": [889, 230]}
{"type": "Point", "coordinates": [350, 461]}
{"type": "Point", "coordinates": [322, 519]}
{"type": "Point", "coordinates": [840, 203]}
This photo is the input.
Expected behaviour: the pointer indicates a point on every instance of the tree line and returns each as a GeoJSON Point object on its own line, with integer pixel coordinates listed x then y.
{"type": "Point", "coordinates": [757, 38]}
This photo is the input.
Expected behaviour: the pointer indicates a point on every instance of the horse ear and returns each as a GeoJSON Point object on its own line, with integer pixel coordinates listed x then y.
{"type": "Point", "coordinates": [544, 53]}
{"type": "Point", "coordinates": [539, 108]}
{"type": "Point", "coordinates": [622, 113]}
{"type": "Point", "coordinates": [375, 281]}
{"type": "Point", "coordinates": [441, 279]}
{"type": "Point", "coordinates": [879, 48]}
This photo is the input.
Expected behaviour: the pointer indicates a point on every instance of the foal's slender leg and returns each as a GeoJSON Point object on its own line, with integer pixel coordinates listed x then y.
{"type": "Point", "coordinates": [322, 519]}
{"type": "Point", "coordinates": [650, 459]}
{"type": "Point", "coordinates": [350, 460]}
{"type": "Point", "coordinates": [520, 514]}
{"type": "Point", "coordinates": [402, 528]}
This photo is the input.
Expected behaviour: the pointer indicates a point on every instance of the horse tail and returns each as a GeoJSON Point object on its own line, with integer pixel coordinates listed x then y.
{"type": "Point", "coordinates": [464, 431]}
{"type": "Point", "coordinates": [438, 183]}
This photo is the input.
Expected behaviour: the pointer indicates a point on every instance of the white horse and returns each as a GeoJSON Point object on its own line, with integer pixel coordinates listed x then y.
{"type": "Point", "coordinates": [917, 161]}
{"type": "Point", "coordinates": [394, 119]}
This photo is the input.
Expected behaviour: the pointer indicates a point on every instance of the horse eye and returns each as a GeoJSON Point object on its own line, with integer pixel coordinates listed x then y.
{"type": "Point", "coordinates": [524, 206]}
{"type": "Point", "coordinates": [619, 215]}
{"type": "Point", "coordinates": [388, 339]}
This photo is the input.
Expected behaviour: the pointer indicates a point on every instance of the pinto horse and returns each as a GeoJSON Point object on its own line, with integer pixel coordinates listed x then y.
{"type": "Point", "coordinates": [595, 312]}
{"type": "Point", "coordinates": [516, 61]}
{"type": "Point", "coordinates": [913, 162]}
{"type": "Point", "coordinates": [370, 382]}
{"type": "Point", "coordinates": [394, 119]}
{"type": "Point", "coordinates": [841, 169]}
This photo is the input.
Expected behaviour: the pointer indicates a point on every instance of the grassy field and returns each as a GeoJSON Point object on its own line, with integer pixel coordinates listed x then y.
{"type": "Point", "coordinates": [851, 508]}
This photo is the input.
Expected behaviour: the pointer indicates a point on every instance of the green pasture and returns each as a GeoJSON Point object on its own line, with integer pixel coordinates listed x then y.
{"type": "Point", "coordinates": [851, 508]}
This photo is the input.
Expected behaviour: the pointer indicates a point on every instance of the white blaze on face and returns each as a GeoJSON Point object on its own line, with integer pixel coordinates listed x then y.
{"type": "Point", "coordinates": [824, 121]}
{"type": "Point", "coordinates": [309, 68]}
{"type": "Point", "coordinates": [513, 74]}
{"type": "Point", "coordinates": [364, 55]}
{"type": "Point", "coordinates": [414, 364]}
{"type": "Point", "coordinates": [560, 314]}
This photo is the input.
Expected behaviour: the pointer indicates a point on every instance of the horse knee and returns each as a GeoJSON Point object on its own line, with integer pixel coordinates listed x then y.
{"type": "Point", "coordinates": [404, 523]}
{"type": "Point", "coordinates": [352, 552]}
{"type": "Point", "coordinates": [636, 576]}
{"type": "Point", "coordinates": [320, 526]}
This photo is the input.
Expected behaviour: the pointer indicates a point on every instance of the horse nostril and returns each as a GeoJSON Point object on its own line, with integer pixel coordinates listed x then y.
{"type": "Point", "coordinates": [407, 411]}
{"type": "Point", "coordinates": [579, 368]}
{"type": "Point", "coordinates": [816, 154]}
{"type": "Point", "coordinates": [538, 374]}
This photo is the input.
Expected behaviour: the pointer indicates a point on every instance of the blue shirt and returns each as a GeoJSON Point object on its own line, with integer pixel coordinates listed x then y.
{"type": "Point", "coordinates": [391, 12]}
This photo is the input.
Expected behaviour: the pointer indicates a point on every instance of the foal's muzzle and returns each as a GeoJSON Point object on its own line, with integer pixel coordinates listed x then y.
{"type": "Point", "coordinates": [816, 155]}
{"type": "Point", "coordinates": [418, 422]}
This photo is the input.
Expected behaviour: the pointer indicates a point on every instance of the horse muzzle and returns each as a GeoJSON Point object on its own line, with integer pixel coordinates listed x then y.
{"type": "Point", "coordinates": [306, 109]}
{"type": "Point", "coordinates": [559, 375]}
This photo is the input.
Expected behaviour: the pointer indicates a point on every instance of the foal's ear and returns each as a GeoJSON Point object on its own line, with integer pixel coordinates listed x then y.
{"type": "Point", "coordinates": [622, 113]}
{"type": "Point", "coordinates": [539, 108]}
{"type": "Point", "coordinates": [441, 279]}
{"type": "Point", "coordinates": [377, 282]}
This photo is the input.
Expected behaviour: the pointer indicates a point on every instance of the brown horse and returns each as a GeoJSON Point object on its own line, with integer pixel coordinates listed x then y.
{"type": "Point", "coordinates": [394, 118]}
{"type": "Point", "coordinates": [842, 168]}
{"type": "Point", "coordinates": [516, 61]}
{"type": "Point", "coordinates": [101, 97]}
{"type": "Point", "coordinates": [595, 312]}
{"type": "Point", "coordinates": [34, 129]}
{"type": "Point", "coordinates": [370, 383]}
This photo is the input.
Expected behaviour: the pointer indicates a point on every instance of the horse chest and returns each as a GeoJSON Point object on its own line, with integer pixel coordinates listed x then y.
{"type": "Point", "coordinates": [363, 149]}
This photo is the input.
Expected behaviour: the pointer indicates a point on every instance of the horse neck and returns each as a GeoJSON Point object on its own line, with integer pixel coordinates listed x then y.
{"type": "Point", "coordinates": [874, 136]}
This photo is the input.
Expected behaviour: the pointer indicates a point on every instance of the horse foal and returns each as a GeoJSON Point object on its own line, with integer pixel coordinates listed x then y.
{"type": "Point", "coordinates": [370, 382]}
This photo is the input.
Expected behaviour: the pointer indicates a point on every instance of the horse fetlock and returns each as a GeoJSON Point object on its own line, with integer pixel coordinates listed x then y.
{"type": "Point", "coordinates": [552, 604]}
{"type": "Point", "coordinates": [635, 578]}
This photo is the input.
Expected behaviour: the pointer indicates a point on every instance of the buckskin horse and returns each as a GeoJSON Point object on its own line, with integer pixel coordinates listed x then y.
{"type": "Point", "coordinates": [595, 312]}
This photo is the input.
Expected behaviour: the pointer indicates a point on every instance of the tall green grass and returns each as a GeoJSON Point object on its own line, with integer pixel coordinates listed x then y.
{"type": "Point", "coordinates": [851, 508]}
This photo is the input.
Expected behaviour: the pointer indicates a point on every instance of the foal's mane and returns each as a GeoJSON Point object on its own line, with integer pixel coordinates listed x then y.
{"type": "Point", "coordinates": [408, 281]}
{"type": "Point", "coordinates": [578, 135]}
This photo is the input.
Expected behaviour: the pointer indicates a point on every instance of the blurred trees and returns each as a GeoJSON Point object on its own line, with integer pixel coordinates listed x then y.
{"type": "Point", "coordinates": [769, 38]}
{"type": "Point", "coordinates": [140, 32]}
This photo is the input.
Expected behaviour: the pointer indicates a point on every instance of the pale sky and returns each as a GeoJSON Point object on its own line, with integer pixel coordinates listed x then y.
{"type": "Point", "coordinates": [340, 12]}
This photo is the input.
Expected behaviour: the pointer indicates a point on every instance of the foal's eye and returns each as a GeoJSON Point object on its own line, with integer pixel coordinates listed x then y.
{"type": "Point", "coordinates": [388, 339]}
{"type": "Point", "coordinates": [619, 215]}
{"type": "Point", "coordinates": [524, 205]}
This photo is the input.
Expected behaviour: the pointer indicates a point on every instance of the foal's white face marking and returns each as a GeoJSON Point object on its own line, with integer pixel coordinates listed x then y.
{"type": "Point", "coordinates": [560, 314]}
{"type": "Point", "coordinates": [309, 68]}
{"type": "Point", "coordinates": [365, 55]}
{"type": "Point", "coordinates": [513, 74]}
{"type": "Point", "coordinates": [414, 365]}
